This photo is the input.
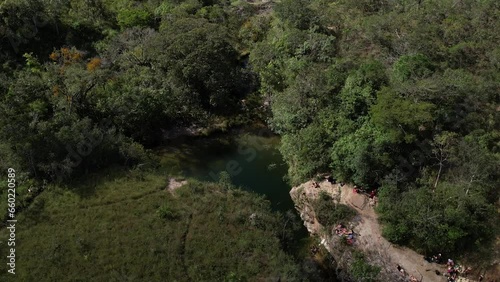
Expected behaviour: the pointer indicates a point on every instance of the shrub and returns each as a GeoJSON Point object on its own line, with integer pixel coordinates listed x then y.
{"type": "Point", "coordinates": [330, 213]}
{"type": "Point", "coordinates": [167, 212]}
{"type": "Point", "coordinates": [225, 180]}
{"type": "Point", "coordinates": [361, 270]}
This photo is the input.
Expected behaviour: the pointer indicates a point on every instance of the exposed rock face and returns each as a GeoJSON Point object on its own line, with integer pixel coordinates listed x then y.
{"type": "Point", "coordinates": [369, 240]}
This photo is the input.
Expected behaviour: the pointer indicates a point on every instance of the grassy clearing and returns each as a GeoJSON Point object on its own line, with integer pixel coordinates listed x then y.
{"type": "Point", "coordinates": [123, 226]}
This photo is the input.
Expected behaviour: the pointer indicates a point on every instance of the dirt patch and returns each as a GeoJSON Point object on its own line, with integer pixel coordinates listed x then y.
{"type": "Point", "coordinates": [174, 184]}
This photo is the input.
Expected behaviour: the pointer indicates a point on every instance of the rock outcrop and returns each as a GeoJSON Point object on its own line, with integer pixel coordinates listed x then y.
{"type": "Point", "coordinates": [368, 239]}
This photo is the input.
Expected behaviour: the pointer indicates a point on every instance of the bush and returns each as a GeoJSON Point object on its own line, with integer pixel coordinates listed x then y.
{"type": "Point", "coordinates": [330, 213]}
{"type": "Point", "coordinates": [361, 270]}
{"type": "Point", "coordinates": [167, 212]}
{"type": "Point", "coordinates": [225, 180]}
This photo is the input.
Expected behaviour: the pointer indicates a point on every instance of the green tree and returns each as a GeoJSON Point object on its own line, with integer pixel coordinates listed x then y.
{"type": "Point", "coordinates": [295, 13]}
{"type": "Point", "coordinates": [306, 152]}
{"type": "Point", "coordinates": [198, 55]}
{"type": "Point", "coordinates": [133, 17]}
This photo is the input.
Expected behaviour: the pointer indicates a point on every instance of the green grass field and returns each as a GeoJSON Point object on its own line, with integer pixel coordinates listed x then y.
{"type": "Point", "coordinates": [124, 226]}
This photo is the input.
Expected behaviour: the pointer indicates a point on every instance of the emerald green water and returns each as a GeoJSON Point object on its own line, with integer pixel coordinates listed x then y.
{"type": "Point", "coordinates": [252, 160]}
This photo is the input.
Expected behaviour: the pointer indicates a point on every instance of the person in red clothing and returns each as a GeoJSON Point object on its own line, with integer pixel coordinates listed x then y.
{"type": "Point", "coordinates": [373, 193]}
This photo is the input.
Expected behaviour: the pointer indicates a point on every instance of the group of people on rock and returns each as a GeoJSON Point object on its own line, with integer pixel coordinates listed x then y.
{"type": "Point", "coordinates": [435, 258]}
{"type": "Point", "coordinates": [329, 179]}
{"type": "Point", "coordinates": [370, 192]}
{"type": "Point", "coordinates": [453, 270]}
{"type": "Point", "coordinates": [341, 230]}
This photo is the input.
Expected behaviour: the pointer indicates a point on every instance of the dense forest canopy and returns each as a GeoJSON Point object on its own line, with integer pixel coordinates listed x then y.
{"type": "Point", "coordinates": [401, 95]}
{"type": "Point", "coordinates": [396, 94]}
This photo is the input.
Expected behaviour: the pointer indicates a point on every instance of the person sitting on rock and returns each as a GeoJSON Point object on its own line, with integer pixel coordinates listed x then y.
{"type": "Point", "coordinates": [439, 258]}
{"type": "Point", "coordinates": [338, 228]}
{"type": "Point", "coordinates": [434, 258]}
{"type": "Point", "coordinates": [350, 235]}
{"type": "Point", "coordinates": [429, 259]}
{"type": "Point", "coordinates": [373, 193]}
{"type": "Point", "coordinates": [400, 269]}
{"type": "Point", "coordinates": [339, 231]}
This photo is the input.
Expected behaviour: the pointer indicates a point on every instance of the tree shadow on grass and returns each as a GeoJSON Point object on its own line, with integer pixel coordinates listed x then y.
{"type": "Point", "coordinates": [85, 186]}
{"type": "Point", "coordinates": [35, 212]}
